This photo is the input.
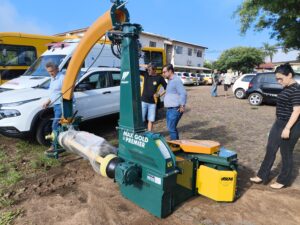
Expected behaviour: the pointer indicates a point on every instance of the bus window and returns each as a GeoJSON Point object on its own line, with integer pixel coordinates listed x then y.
{"type": "Point", "coordinates": [38, 67]}
{"type": "Point", "coordinates": [147, 57]}
{"type": "Point", "coordinates": [157, 58]}
{"type": "Point", "coordinates": [16, 55]}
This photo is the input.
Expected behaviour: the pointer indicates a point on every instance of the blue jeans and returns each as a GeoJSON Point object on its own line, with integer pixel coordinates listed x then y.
{"type": "Point", "coordinates": [173, 117]}
{"type": "Point", "coordinates": [57, 115]}
{"type": "Point", "coordinates": [213, 90]}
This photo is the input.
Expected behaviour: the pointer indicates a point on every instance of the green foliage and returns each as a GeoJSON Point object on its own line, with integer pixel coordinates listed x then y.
{"type": "Point", "coordinates": [44, 162]}
{"type": "Point", "coordinates": [14, 166]}
{"type": "Point", "coordinates": [241, 59]}
{"type": "Point", "coordinates": [269, 50]}
{"type": "Point", "coordinates": [5, 202]}
{"type": "Point", "coordinates": [282, 17]}
{"type": "Point", "coordinates": [8, 173]}
{"type": "Point", "coordinates": [7, 218]}
{"type": "Point", "coordinates": [9, 176]}
{"type": "Point", "coordinates": [208, 65]}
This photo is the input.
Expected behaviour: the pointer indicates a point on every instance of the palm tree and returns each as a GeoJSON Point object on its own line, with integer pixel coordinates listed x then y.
{"type": "Point", "coordinates": [269, 50]}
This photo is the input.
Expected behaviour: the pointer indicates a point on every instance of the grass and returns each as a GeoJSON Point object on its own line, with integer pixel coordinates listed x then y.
{"type": "Point", "coordinates": [43, 162]}
{"type": "Point", "coordinates": [5, 202]}
{"type": "Point", "coordinates": [10, 177]}
{"type": "Point", "coordinates": [7, 218]}
{"type": "Point", "coordinates": [18, 161]}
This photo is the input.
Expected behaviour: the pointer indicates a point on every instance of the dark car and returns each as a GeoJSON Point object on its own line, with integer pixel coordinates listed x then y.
{"type": "Point", "coordinates": [200, 78]}
{"type": "Point", "coordinates": [264, 88]}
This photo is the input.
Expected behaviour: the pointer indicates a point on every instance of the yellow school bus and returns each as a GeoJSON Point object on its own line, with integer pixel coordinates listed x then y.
{"type": "Point", "coordinates": [19, 50]}
{"type": "Point", "coordinates": [156, 56]}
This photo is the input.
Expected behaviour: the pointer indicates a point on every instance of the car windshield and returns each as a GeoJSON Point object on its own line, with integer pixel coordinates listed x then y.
{"type": "Point", "coordinates": [38, 67]}
{"type": "Point", "coordinates": [185, 74]}
{"type": "Point", "coordinates": [193, 75]}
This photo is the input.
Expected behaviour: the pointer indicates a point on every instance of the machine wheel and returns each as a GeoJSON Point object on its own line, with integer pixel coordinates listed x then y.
{"type": "Point", "coordinates": [239, 93]}
{"type": "Point", "coordinates": [44, 128]}
{"type": "Point", "coordinates": [255, 99]}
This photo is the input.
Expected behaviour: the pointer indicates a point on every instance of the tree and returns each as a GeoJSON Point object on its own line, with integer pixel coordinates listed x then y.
{"type": "Point", "coordinates": [241, 59]}
{"type": "Point", "coordinates": [208, 64]}
{"type": "Point", "coordinates": [269, 50]}
{"type": "Point", "coordinates": [282, 16]}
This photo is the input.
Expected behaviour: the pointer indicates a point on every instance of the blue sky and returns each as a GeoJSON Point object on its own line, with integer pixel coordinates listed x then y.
{"type": "Point", "coordinates": [204, 22]}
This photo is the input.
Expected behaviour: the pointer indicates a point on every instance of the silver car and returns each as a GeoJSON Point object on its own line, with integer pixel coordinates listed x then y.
{"type": "Point", "coordinates": [185, 78]}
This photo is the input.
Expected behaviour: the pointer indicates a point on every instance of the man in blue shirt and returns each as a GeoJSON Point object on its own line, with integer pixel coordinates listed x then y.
{"type": "Point", "coordinates": [55, 95]}
{"type": "Point", "coordinates": [174, 101]}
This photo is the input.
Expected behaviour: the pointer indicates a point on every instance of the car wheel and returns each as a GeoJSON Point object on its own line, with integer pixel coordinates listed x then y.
{"type": "Point", "coordinates": [239, 93]}
{"type": "Point", "coordinates": [255, 99]}
{"type": "Point", "coordinates": [43, 128]}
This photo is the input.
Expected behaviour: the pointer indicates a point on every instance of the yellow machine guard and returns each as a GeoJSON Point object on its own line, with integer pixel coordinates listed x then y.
{"type": "Point", "coordinates": [218, 185]}
{"type": "Point", "coordinates": [195, 146]}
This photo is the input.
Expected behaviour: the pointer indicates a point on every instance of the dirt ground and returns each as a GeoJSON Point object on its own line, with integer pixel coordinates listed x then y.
{"type": "Point", "coordinates": [74, 194]}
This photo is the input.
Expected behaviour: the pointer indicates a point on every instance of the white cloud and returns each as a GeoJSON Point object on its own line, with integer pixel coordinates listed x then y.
{"type": "Point", "coordinates": [12, 21]}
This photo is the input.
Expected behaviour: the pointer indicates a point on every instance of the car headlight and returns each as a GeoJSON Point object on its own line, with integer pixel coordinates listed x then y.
{"type": "Point", "coordinates": [18, 103]}
{"type": "Point", "coordinates": [5, 113]}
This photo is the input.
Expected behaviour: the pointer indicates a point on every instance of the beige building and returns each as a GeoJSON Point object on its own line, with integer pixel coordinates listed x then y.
{"type": "Point", "coordinates": [295, 65]}
{"type": "Point", "coordinates": [183, 55]}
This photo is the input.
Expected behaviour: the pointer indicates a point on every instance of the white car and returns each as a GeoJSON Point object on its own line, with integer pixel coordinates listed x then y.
{"type": "Point", "coordinates": [21, 113]}
{"type": "Point", "coordinates": [185, 78]}
{"type": "Point", "coordinates": [194, 78]}
{"type": "Point", "coordinates": [240, 86]}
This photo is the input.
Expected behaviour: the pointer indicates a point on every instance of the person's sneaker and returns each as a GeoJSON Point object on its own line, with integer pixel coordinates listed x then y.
{"type": "Point", "coordinates": [277, 185]}
{"type": "Point", "coordinates": [256, 180]}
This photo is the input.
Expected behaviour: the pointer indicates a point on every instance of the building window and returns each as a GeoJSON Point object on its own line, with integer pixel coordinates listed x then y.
{"type": "Point", "coordinates": [152, 44]}
{"type": "Point", "coordinates": [190, 51]}
{"type": "Point", "coordinates": [178, 50]}
{"type": "Point", "coordinates": [199, 53]}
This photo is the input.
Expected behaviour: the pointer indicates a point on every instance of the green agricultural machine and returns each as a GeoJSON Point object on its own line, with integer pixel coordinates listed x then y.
{"type": "Point", "coordinates": [154, 174]}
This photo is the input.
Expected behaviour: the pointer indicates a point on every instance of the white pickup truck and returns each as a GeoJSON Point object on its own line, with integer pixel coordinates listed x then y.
{"type": "Point", "coordinates": [97, 94]}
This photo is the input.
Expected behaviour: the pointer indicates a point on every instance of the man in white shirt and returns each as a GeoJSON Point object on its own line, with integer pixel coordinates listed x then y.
{"type": "Point", "coordinates": [227, 83]}
{"type": "Point", "coordinates": [55, 95]}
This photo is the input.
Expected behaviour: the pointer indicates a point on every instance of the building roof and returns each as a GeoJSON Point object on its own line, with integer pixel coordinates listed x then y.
{"type": "Point", "coordinates": [291, 61]}
{"type": "Point", "coordinates": [82, 30]}
{"type": "Point", "coordinates": [266, 66]}
{"type": "Point", "coordinates": [154, 35]}
{"type": "Point", "coordinates": [188, 43]}
{"type": "Point", "coordinates": [72, 32]}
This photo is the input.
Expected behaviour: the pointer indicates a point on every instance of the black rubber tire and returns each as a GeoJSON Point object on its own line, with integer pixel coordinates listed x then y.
{"type": "Point", "coordinates": [239, 93]}
{"type": "Point", "coordinates": [255, 99]}
{"type": "Point", "coordinates": [44, 127]}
